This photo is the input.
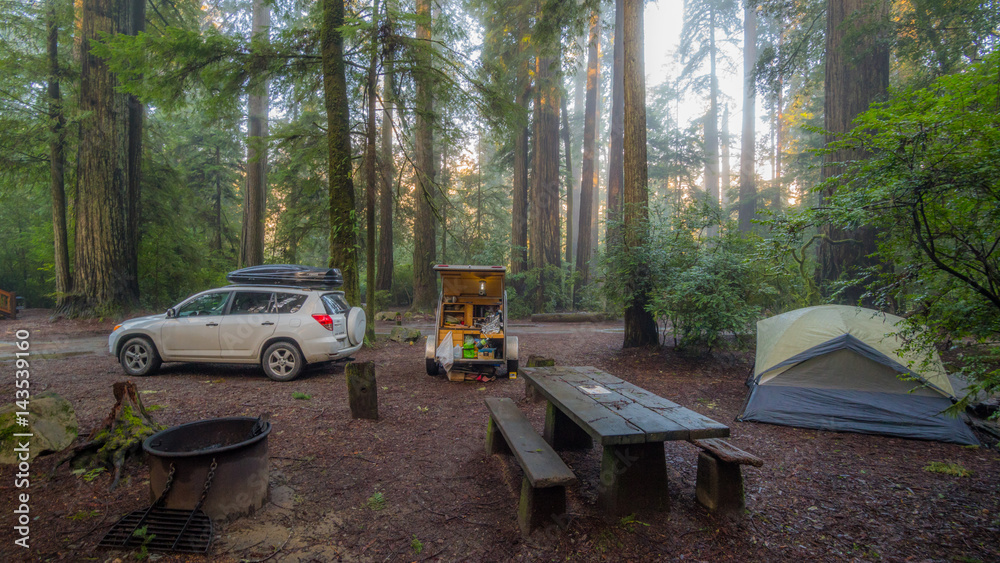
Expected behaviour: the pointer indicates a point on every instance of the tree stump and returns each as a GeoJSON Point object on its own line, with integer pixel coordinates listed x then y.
{"type": "Point", "coordinates": [362, 391]}
{"type": "Point", "coordinates": [120, 436]}
{"type": "Point", "coordinates": [534, 361]}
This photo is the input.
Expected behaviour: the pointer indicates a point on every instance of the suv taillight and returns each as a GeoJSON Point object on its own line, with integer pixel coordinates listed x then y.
{"type": "Point", "coordinates": [324, 320]}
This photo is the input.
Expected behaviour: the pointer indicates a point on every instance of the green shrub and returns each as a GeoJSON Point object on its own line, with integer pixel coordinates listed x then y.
{"type": "Point", "coordinates": [701, 288]}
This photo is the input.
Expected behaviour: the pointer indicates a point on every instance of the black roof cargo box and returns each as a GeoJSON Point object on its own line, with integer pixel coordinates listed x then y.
{"type": "Point", "coordinates": [288, 274]}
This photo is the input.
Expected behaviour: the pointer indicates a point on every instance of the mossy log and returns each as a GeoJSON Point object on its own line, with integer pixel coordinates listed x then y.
{"type": "Point", "coordinates": [119, 437]}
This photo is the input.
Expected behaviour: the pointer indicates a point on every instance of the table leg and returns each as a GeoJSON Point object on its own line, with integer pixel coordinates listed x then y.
{"type": "Point", "coordinates": [633, 477]}
{"type": "Point", "coordinates": [562, 433]}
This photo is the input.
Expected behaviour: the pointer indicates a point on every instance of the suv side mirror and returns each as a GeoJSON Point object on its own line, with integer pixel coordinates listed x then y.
{"type": "Point", "coordinates": [171, 313]}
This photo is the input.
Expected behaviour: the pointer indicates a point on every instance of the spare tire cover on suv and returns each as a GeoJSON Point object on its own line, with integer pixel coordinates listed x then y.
{"type": "Point", "coordinates": [356, 325]}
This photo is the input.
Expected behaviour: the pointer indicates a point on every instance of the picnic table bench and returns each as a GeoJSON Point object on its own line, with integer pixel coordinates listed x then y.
{"type": "Point", "coordinates": [586, 404]}
{"type": "Point", "coordinates": [543, 489]}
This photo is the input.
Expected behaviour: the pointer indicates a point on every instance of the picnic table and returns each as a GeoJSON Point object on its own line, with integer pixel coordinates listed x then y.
{"type": "Point", "coordinates": [586, 404]}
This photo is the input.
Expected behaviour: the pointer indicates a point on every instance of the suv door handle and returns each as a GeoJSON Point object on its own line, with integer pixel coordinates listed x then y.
{"type": "Point", "coordinates": [211, 324]}
{"type": "Point", "coordinates": [266, 323]}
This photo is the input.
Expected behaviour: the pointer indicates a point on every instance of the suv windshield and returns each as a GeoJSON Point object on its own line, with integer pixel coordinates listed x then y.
{"type": "Point", "coordinates": [335, 304]}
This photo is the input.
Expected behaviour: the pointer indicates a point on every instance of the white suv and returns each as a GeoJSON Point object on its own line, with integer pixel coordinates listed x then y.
{"type": "Point", "coordinates": [280, 327]}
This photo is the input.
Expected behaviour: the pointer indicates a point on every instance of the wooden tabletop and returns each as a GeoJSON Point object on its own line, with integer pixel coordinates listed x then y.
{"type": "Point", "coordinates": [616, 412]}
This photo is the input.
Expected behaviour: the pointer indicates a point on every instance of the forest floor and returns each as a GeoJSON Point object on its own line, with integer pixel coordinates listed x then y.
{"type": "Point", "coordinates": [417, 485]}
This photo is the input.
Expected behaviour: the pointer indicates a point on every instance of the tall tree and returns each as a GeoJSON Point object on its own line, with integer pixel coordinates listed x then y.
{"type": "Point", "coordinates": [543, 221]}
{"type": "Point", "coordinates": [383, 281]}
{"type": "Point", "coordinates": [640, 327]}
{"type": "Point", "coordinates": [255, 196]}
{"type": "Point", "coordinates": [712, 119]}
{"type": "Point", "coordinates": [857, 73]}
{"type": "Point", "coordinates": [725, 180]}
{"type": "Point", "coordinates": [707, 23]}
{"type": "Point", "coordinates": [57, 160]}
{"type": "Point", "coordinates": [572, 203]}
{"type": "Point", "coordinates": [343, 222]}
{"type": "Point", "coordinates": [588, 178]}
{"type": "Point", "coordinates": [105, 278]}
{"type": "Point", "coordinates": [424, 229]}
{"type": "Point", "coordinates": [617, 130]}
{"type": "Point", "coordinates": [748, 136]}
{"type": "Point", "coordinates": [371, 180]}
{"type": "Point", "coordinates": [519, 211]}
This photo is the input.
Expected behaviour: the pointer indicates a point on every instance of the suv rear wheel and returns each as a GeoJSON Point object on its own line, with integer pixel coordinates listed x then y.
{"type": "Point", "coordinates": [282, 361]}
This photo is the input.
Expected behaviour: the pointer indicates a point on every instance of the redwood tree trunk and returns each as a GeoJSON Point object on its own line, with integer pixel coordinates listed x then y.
{"type": "Point", "coordinates": [617, 132]}
{"type": "Point", "coordinates": [255, 197]}
{"type": "Point", "coordinates": [588, 177]}
{"type": "Point", "coordinates": [519, 211]}
{"type": "Point", "coordinates": [544, 218]}
{"type": "Point", "coordinates": [57, 163]}
{"type": "Point", "coordinates": [640, 327]}
{"type": "Point", "coordinates": [104, 273]}
{"type": "Point", "coordinates": [856, 75]}
{"type": "Point", "coordinates": [343, 224]}
{"type": "Point", "coordinates": [748, 136]}
{"type": "Point", "coordinates": [424, 235]}
{"type": "Point", "coordinates": [571, 202]}
{"type": "Point", "coordinates": [136, 116]}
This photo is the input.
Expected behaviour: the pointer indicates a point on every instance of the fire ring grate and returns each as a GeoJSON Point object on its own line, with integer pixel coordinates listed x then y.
{"type": "Point", "coordinates": [167, 529]}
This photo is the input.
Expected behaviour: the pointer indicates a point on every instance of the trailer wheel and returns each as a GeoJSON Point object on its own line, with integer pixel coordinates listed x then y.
{"type": "Point", "coordinates": [432, 367]}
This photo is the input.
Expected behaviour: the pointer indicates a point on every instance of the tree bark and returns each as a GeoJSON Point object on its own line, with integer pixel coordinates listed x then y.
{"type": "Point", "coordinates": [57, 163]}
{"type": "Point", "coordinates": [588, 177]}
{"type": "Point", "coordinates": [519, 211]}
{"type": "Point", "coordinates": [120, 435]}
{"type": "Point", "coordinates": [617, 132]}
{"type": "Point", "coordinates": [371, 182]}
{"type": "Point", "coordinates": [640, 328]}
{"type": "Point", "coordinates": [748, 135]}
{"type": "Point", "coordinates": [136, 116]}
{"type": "Point", "coordinates": [362, 390]}
{"type": "Point", "coordinates": [383, 281]}
{"type": "Point", "coordinates": [576, 122]}
{"type": "Point", "coordinates": [568, 149]}
{"type": "Point", "coordinates": [856, 75]}
{"type": "Point", "coordinates": [104, 274]}
{"type": "Point", "coordinates": [424, 235]}
{"type": "Point", "coordinates": [255, 197]}
{"type": "Point", "coordinates": [343, 223]}
{"type": "Point", "coordinates": [543, 222]}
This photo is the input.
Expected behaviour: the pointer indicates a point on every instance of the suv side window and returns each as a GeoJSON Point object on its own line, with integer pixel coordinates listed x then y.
{"type": "Point", "coordinates": [252, 303]}
{"type": "Point", "coordinates": [209, 304]}
{"type": "Point", "coordinates": [290, 302]}
{"type": "Point", "coordinates": [335, 304]}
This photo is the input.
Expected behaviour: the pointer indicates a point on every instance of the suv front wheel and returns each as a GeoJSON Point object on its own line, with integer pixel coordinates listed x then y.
{"type": "Point", "coordinates": [282, 361]}
{"type": "Point", "coordinates": [138, 356]}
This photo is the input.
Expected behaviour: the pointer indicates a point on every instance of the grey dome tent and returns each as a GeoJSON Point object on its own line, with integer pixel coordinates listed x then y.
{"type": "Point", "coordinates": [836, 367]}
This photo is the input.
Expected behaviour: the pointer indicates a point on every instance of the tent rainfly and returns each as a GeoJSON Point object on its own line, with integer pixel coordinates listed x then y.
{"type": "Point", "coordinates": [839, 368]}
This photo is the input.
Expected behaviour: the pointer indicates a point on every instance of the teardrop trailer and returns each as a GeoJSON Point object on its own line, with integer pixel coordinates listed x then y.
{"type": "Point", "coordinates": [470, 322]}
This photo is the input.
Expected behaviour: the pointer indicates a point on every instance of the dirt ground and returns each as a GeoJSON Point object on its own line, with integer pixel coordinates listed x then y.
{"type": "Point", "coordinates": [416, 485]}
